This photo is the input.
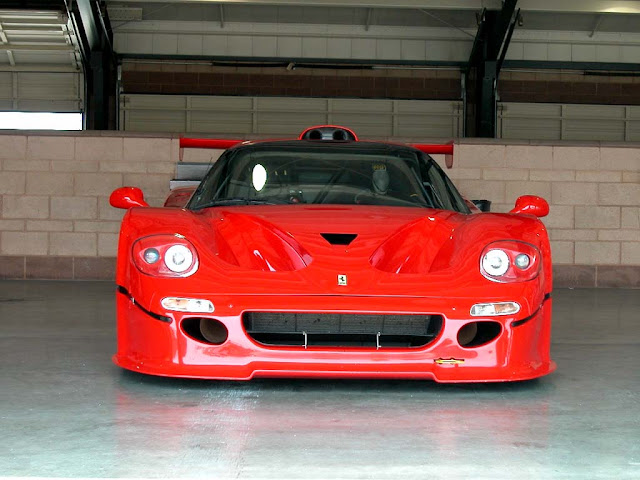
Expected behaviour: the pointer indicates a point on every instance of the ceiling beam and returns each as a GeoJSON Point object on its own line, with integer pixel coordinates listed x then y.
{"type": "Point", "coordinates": [554, 6]}
{"type": "Point", "coordinates": [299, 62]}
{"type": "Point", "coordinates": [571, 66]}
{"type": "Point", "coordinates": [435, 4]}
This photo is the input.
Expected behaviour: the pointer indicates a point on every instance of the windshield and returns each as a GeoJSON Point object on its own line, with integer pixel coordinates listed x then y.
{"type": "Point", "coordinates": [312, 173]}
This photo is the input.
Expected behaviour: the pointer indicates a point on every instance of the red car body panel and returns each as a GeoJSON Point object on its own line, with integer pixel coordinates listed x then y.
{"type": "Point", "coordinates": [179, 197]}
{"type": "Point", "coordinates": [273, 258]}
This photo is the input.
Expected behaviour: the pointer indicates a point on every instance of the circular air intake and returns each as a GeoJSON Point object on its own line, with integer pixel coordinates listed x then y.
{"type": "Point", "coordinates": [340, 135]}
{"type": "Point", "coordinates": [475, 334]}
{"type": "Point", "coordinates": [205, 330]}
{"type": "Point", "coordinates": [315, 135]}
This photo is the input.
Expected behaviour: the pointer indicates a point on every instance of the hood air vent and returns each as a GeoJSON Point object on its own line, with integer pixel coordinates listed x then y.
{"type": "Point", "coordinates": [339, 238]}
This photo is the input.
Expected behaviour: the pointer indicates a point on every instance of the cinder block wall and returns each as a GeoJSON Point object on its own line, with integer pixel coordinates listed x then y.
{"type": "Point", "coordinates": [594, 194]}
{"type": "Point", "coordinates": [55, 217]}
{"type": "Point", "coordinates": [56, 222]}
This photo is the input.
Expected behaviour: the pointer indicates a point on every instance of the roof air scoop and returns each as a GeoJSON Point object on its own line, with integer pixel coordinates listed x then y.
{"type": "Point", "coordinates": [339, 238]}
{"type": "Point", "coordinates": [331, 133]}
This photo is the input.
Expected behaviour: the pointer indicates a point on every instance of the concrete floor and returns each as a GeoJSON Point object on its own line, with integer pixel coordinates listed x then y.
{"type": "Point", "coordinates": [66, 411]}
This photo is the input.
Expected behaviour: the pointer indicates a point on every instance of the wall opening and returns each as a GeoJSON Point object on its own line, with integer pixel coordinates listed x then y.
{"type": "Point", "coordinates": [40, 121]}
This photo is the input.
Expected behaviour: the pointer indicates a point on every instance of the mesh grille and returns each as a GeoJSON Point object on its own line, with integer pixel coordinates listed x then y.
{"type": "Point", "coordinates": [336, 329]}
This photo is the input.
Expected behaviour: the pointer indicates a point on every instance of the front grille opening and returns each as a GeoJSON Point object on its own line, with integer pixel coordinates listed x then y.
{"type": "Point", "coordinates": [341, 330]}
{"type": "Point", "coordinates": [205, 330]}
{"type": "Point", "coordinates": [475, 334]}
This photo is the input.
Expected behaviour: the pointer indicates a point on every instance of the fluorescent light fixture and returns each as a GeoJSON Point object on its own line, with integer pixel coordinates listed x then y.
{"type": "Point", "coordinates": [40, 121]}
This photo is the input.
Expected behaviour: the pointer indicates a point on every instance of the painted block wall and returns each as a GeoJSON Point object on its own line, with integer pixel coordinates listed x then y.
{"type": "Point", "coordinates": [594, 194]}
{"type": "Point", "coordinates": [55, 217]}
{"type": "Point", "coordinates": [55, 220]}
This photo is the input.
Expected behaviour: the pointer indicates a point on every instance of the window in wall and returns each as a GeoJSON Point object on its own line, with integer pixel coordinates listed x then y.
{"type": "Point", "coordinates": [40, 121]}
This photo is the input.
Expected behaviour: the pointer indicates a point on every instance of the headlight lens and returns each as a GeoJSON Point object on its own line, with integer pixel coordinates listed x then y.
{"type": "Point", "coordinates": [165, 256]}
{"type": "Point", "coordinates": [522, 261]}
{"type": "Point", "coordinates": [510, 261]}
{"type": "Point", "coordinates": [151, 255]}
{"type": "Point", "coordinates": [178, 258]}
{"type": "Point", "coordinates": [495, 262]}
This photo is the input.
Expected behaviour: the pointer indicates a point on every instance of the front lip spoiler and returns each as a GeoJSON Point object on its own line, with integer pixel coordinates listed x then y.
{"type": "Point", "coordinates": [126, 293]}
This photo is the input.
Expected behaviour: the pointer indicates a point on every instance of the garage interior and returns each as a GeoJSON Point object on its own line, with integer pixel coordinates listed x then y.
{"type": "Point", "coordinates": [539, 97]}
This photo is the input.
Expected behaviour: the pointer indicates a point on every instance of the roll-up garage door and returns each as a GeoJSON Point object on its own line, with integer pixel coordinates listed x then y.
{"type": "Point", "coordinates": [40, 67]}
{"type": "Point", "coordinates": [288, 115]}
{"type": "Point", "coordinates": [555, 121]}
{"type": "Point", "coordinates": [41, 91]}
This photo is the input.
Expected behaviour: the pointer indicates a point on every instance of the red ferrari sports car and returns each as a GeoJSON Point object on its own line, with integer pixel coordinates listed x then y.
{"type": "Point", "coordinates": [327, 256]}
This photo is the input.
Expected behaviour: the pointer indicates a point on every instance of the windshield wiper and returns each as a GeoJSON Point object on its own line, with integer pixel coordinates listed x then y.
{"type": "Point", "coordinates": [225, 202]}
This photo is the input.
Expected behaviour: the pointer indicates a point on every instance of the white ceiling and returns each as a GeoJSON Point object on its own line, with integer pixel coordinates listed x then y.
{"type": "Point", "coordinates": [568, 15]}
{"type": "Point", "coordinates": [420, 31]}
{"type": "Point", "coordinates": [587, 30]}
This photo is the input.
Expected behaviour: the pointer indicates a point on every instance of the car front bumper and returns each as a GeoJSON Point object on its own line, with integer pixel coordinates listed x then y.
{"type": "Point", "coordinates": [156, 344]}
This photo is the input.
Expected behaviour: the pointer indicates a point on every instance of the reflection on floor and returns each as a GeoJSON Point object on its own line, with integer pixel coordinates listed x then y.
{"type": "Point", "coordinates": [66, 411]}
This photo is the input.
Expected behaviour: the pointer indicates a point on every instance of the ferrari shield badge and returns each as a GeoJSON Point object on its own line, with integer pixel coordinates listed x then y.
{"type": "Point", "coordinates": [342, 279]}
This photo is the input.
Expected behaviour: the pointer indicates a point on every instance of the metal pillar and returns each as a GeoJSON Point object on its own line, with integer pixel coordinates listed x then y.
{"type": "Point", "coordinates": [487, 55]}
{"type": "Point", "coordinates": [94, 33]}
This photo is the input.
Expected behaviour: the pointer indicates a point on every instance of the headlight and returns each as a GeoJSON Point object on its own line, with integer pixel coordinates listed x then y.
{"type": "Point", "coordinates": [178, 258]}
{"type": "Point", "coordinates": [165, 256]}
{"type": "Point", "coordinates": [510, 261]}
{"type": "Point", "coordinates": [522, 261]}
{"type": "Point", "coordinates": [495, 262]}
{"type": "Point", "coordinates": [151, 255]}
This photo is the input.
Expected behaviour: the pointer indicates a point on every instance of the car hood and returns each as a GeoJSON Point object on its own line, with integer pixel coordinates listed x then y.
{"type": "Point", "coordinates": [274, 238]}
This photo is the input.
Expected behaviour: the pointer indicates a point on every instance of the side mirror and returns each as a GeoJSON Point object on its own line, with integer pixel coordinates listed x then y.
{"type": "Point", "coordinates": [531, 205]}
{"type": "Point", "coordinates": [127, 197]}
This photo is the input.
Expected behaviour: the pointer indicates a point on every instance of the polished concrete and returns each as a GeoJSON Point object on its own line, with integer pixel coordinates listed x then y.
{"type": "Point", "coordinates": [66, 411]}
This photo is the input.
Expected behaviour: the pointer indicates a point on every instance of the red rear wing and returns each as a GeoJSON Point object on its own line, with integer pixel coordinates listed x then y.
{"type": "Point", "coordinates": [434, 148]}
{"type": "Point", "coordinates": [319, 133]}
{"type": "Point", "coordinates": [445, 149]}
{"type": "Point", "coordinates": [215, 143]}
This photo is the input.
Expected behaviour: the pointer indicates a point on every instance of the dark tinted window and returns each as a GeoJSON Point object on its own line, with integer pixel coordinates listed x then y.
{"type": "Point", "coordinates": [312, 173]}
